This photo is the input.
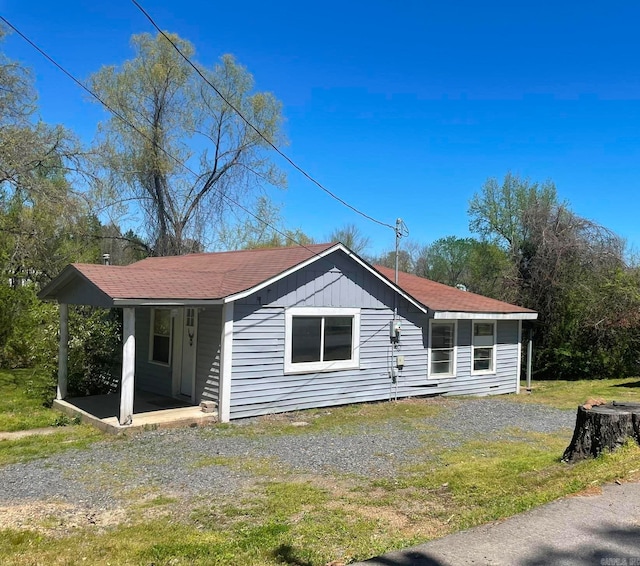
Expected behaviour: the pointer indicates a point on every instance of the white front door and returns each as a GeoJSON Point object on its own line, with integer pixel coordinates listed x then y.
{"type": "Point", "coordinates": [188, 358]}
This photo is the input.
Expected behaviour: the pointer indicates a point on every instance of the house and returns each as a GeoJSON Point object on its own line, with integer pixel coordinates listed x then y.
{"type": "Point", "coordinates": [272, 330]}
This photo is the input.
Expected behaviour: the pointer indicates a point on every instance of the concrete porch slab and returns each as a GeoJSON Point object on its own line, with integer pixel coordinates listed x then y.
{"type": "Point", "coordinates": [150, 412]}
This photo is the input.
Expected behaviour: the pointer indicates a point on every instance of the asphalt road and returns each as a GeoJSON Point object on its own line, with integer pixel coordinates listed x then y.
{"type": "Point", "coordinates": [601, 530]}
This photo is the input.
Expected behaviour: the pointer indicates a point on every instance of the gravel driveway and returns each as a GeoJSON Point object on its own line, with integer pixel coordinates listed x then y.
{"type": "Point", "coordinates": [180, 461]}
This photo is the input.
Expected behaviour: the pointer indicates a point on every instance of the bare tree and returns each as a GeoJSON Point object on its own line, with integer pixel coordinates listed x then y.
{"type": "Point", "coordinates": [352, 237]}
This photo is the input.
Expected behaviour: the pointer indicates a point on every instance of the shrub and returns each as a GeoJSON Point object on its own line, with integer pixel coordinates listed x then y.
{"type": "Point", "coordinates": [95, 350]}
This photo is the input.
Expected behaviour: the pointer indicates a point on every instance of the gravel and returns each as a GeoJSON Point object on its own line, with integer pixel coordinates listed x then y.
{"type": "Point", "coordinates": [179, 462]}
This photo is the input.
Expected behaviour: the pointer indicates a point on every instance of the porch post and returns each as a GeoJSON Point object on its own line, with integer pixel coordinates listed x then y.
{"type": "Point", "coordinates": [63, 351]}
{"type": "Point", "coordinates": [125, 417]}
{"type": "Point", "coordinates": [224, 391]}
{"type": "Point", "coordinates": [519, 368]}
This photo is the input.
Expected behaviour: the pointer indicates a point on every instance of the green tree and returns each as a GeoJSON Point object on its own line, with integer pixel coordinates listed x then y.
{"type": "Point", "coordinates": [477, 266]}
{"type": "Point", "coordinates": [42, 218]}
{"type": "Point", "coordinates": [499, 211]}
{"type": "Point", "coordinates": [446, 260]}
{"type": "Point", "coordinates": [177, 115]}
{"type": "Point", "coordinates": [406, 261]}
{"type": "Point", "coordinates": [571, 271]}
{"type": "Point", "coordinates": [44, 222]}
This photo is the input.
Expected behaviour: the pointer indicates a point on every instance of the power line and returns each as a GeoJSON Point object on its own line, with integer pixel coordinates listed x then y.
{"type": "Point", "coordinates": [153, 142]}
{"type": "Point", "coordinates": [246, 121]}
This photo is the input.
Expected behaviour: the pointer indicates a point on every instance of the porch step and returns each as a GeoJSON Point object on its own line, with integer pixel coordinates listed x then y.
{"type": "Point", "coordinates": [191, 416]}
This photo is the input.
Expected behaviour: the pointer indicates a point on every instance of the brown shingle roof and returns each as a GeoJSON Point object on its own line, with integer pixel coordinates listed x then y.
{"type": "Point", "coordinates": [215, 276]}
{"type": "Point", "coordinates": [196, 276]}
{"type": "Point", "coordinates": [439, 297]}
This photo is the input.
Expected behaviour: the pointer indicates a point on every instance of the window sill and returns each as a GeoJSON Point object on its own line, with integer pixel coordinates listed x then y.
{"type": "Point", "coordinates": [297, 369]}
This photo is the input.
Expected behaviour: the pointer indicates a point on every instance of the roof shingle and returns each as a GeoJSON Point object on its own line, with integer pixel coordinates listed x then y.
{"type": "Point", "coordinates": [215, 276]}
{"type": "Point", "coordinates": [203, 276]}
{"type": "Point", "coordinates": [439, 297]}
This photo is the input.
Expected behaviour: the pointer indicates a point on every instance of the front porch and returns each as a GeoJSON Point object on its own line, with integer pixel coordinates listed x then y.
{"type": "Point", "coordinates": [150, 412]}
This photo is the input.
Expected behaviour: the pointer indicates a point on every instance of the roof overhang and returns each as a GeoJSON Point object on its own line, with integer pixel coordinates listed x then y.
{"type": "Point", "coordinates": [454, 315]}
{"type": "Point", "coordinates": [71, 275]}
{"type": "Point", "coordinates": [318, 257]}
{"type": "Point", "coordinates": [166, 302]}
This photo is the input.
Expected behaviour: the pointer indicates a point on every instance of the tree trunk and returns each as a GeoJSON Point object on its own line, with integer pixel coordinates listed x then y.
{"type": "Point", "coordinates": [603, 427]}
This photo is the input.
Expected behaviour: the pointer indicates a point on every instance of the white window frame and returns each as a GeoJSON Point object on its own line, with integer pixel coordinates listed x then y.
{"type": "Point", "coordinates": [152, 334]}
{"type": "Point", "coordinates": [454, 364]}
{"type": "Point", "coordinates": [321, 366]}
{"type": "Point", "coordinates": [494, 347]}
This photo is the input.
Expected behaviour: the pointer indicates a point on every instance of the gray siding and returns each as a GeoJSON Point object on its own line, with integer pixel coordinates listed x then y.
{"type": "Point", "coordinates": [504, 380]}
{"type": "Point", "coordinates": [259, 385]}
{"type": "Point", "coordinates": [152, 377]}
{"type": "Point", "coordinates": [81, 292]}
{"type": "Point", "coordinates": [208, 354]}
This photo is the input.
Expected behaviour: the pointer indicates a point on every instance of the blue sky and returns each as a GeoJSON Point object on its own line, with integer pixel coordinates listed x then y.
{"type": "Point", "coordinates": [402, 108]}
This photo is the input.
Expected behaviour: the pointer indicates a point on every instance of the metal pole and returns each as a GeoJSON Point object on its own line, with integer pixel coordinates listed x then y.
{"type": "Point", "coordinates": [529, 358]}
{"type": "Point", "coordinates": [394, 367]}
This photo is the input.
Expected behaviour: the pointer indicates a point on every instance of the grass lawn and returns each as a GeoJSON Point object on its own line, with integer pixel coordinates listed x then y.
{"type": "Point", "coordinates": [570, 394]}
{"type": "Point", "coordinates": [22, 396]}
{"type": "Point", "coordinates": [309, 520]}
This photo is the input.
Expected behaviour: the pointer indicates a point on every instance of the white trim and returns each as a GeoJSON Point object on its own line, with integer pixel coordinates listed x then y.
{"type": "Point", "coordinates": [458, 315]}
{"type": "Point", "coordinates": [455, 351]}
{"type": "Point", "coordinates": [193, 342]}
{"type": "Point", "coordinates": [125, 416]}
{"type": "Point", "coordinates": [519, 366]}
{"type": "Point", "coordinates": [226, 367]}
{"type": "Point", "coordinates": [152, 318]}
{"type": "Point", "coordinates": [63, 351]}
{"type": "Point", "coordinates": [494, 347]}
{"type": "Point", "coordinates": [321, 366]}
{"type": "Point", "coordinates": [165, 303]}
{"type": "Point", "coordinates": [175, 349]}
{"type": "Point", "coordinates": [316, 257]}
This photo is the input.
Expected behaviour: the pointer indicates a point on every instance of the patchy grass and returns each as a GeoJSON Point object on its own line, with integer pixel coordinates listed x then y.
{"type": "Point", "coordinates": [570, 394]}
{"type": "Point", "coordinates": [343, 419]}
{"type": "Point", "coordinates": [41, 446]}
{"type": "Point", "coordinates": [22, 397]}
{"type": "Point", "coordinates": [22, 394]}
{"type": "Point", "coordinates": [311, 520]}
{"type": "Point", "coordinates": [258, 466]}
{"type": "Point", "coordinates": [488, 481]}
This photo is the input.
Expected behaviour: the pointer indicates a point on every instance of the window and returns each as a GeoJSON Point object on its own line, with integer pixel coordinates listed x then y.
{"type": "Point", "coordinates": [321, 339]}
{"type": "Point", "coordinates": [160, 344]}
{"type": "Point", "coordinates": [442, 346]}
{"type": "Point", "coordinates": [484, 347]}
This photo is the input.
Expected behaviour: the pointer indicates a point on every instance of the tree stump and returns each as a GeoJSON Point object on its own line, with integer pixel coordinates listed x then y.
{"type": "Point", "coordinates": [603, 427]}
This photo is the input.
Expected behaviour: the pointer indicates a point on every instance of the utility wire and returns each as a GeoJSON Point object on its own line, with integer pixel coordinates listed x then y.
{"type": "Point", "coordinates": [186, 167]}
{"type": "Point", "coordinates": [153, 142]}
{"type": "Point", "coordinates": [256, 130]}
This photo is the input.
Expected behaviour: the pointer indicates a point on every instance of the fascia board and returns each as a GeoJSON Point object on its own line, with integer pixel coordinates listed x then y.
{"type": "Point", "coordinates": [457, 315]}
